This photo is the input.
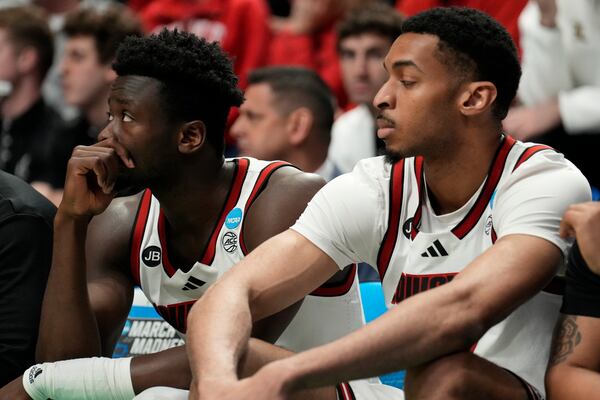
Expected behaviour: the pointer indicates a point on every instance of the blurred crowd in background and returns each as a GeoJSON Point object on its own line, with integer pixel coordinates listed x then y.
{"type": "Point", "coordinates": [56, 55]}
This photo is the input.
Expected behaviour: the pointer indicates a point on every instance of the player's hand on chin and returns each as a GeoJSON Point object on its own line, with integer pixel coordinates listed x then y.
{"type": "Point", "coordinates": [14, 390]}
{"type": "Point", "coordinates": [92, 172]}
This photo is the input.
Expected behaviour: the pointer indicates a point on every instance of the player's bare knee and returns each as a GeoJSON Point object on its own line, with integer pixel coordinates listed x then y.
{"type": "Point", "coordinates": [445, 378]}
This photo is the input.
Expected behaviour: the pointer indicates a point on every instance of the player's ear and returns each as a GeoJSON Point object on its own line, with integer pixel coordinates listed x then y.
{"type": "Point", "coordinates": [477, 97]}
{"type": "Point", "coordinates": [192, 136]}
{"type": "Point", "coordinates": [299, 124]}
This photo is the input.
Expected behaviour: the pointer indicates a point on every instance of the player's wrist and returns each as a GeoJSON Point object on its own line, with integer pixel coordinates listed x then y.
{"type": "Point", "coordinates": [68, 217]}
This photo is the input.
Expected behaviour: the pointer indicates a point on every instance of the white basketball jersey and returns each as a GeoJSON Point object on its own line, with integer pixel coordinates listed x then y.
{"type": "Point", "coordinates": [330, 312]}
{"type": "Point", "coordinates": [411, 261]}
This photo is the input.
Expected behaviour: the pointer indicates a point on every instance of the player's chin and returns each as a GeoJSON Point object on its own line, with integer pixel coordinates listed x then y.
{"type": "Point", "coordinates": [128, 184]}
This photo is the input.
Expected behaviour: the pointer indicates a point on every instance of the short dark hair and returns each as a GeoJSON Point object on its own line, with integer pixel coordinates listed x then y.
{"type": "Point", "coordinates": [107, 26]}
{"type": "Point", "coordinates": [27, 27]}
{"type": "Point", "coordinates": [477, 45]}
{"type": "Point", "coordinates": [377, 18]}
{"type": "Point", "coordinates": [198, 82]}
{"type": "Point", "coordinates": [295, 87]}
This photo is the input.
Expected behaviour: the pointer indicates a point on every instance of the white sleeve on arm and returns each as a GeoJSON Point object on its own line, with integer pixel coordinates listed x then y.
{"type": "Point", "coordinates": [536, 196]}
{"type": "Point", "coordinates": [545, 65]}
{"type": "Point", "coordinates": [345, 219]}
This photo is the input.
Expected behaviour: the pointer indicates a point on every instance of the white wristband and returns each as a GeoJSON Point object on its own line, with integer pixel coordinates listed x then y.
{"type": "Point", "coordinates": [81, 379]}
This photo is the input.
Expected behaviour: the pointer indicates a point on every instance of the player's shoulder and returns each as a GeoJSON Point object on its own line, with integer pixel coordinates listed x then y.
{"type": "Point", "coordinates": [540, 162]}
{"type": "Point", "coordinates": [115, 224]}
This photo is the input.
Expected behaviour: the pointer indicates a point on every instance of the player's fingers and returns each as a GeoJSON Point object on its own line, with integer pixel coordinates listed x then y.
{"type": "Point", "coordinates": [121, 151]}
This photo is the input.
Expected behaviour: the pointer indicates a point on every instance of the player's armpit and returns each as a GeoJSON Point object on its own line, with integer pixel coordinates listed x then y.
{"type": "Point", "coordinates": [574, 359]}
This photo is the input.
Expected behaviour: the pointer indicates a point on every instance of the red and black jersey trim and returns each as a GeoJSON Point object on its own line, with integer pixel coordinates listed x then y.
{"type": "Point", "coordinates": [259, 186]}
{"type": "Point", "coordinates": [493, 177]}
{"type": "Point", "coordinates": [530, 151]}
{"type": "Point", "coordinates": [419, 176]}
{"type": "Point", "coordinates": [344, 391]}
{"type": "Point", "coordinates": [395, 209]}
{"type": "Point", "coordinates": [337, 288]}
{"type": "Point", "coordinates": [208, 256]}
{"type": "Point", "coordinates": [137, 235]}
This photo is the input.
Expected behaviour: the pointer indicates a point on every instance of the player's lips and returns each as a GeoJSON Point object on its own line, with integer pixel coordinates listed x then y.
{"type": "Point", "coordinates": [385, 127]}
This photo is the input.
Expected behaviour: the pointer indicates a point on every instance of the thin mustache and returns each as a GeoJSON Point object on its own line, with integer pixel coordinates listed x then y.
{"type": "Point", "coordinates": [384, 118]}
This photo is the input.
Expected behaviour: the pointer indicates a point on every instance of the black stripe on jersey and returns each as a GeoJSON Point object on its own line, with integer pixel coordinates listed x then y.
{"type": "Point", "coordinates": [237, 183]}
{"type": "Point", "coordinates": [396, 192]}
{"type": "Point", "coordinates": [440, 248]}
{"type": "Point", "coordinates": [493, 177]}
{"type": "Point", "coordinates": [419, 176]}
{"type": "Point", "coordinates": [196, 281]}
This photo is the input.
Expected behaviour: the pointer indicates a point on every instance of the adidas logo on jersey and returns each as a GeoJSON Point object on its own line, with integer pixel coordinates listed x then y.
{"type": "Point", "coordinates": [435, 250]}
{"type": "Point", "coordinates": [193, 283]}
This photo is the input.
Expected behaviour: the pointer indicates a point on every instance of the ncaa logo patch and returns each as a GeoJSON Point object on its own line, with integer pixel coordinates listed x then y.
{"type": "Point", "coordinates": [229, 242]}
{"type": "Point", "coordinates": [234, 218]}
{"type": "Point", "coordinates": [151, 256]}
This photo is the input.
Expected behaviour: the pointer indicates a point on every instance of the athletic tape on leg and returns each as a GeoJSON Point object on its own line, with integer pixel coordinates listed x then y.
{"type": "Point", "coordinates": [81, 379]}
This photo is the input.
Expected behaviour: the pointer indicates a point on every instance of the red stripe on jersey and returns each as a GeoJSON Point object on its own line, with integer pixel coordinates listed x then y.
{"type": "Point", "coordinates": [530, 152]}
{"type": "Point", "coordinates": [241, 168]}
{"type": "Point", "coordinates": [339, 288]}
{"type": "Point", "coordinates": [493, 177]}
{"type": "Point", "coordinates": [419, 211]}
{"type": "Point", "coordinates": [137, 233]}
{"type": "Point", "coordinates": [395, 203]}
{"type": "Point", "coordinates": [259, 186]}
{"type": "Point", "coordinates": [345, 392]}
{"type": "Point", "coordinates": [232, 199]}
{"type": "Point", "coordinates": [494, 235]}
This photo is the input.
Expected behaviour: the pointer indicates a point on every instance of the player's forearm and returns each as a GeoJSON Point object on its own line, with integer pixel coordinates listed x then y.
{"type": "Point", "coordinates": [68, 328]}
{"type": "Point", "coordinates": [412, 333]}
{"type": "Point", "coordinates": [219, 328]}
{"type": "Point", "coordinates": [582, 383]}
{"type": "Point", "coordinates": [166, 368]}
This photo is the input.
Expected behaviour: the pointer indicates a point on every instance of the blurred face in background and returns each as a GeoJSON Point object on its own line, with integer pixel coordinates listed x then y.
{"type": "Point", "coordinates": [84, 78]}
{"type": "Point", "coordinates": [261, 132]}
{"type": "Point", "coordinates": [361, 60]}
{"type": "Point", "coordinates": [9, 70]}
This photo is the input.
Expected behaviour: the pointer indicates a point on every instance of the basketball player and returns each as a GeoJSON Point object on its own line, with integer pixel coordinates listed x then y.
{"type": "Point", "coordinates": [199, 215]}
{"type": "Point", "coordinates": [461, 221]}
{"type": "Point", "coordinates": [572, 370]}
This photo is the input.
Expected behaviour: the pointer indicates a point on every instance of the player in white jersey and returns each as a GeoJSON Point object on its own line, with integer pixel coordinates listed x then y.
{"type": "Point", "coordinates": [461, 220]}
{"type": "Point", "coordinates": [173, 290]}
{"type": "Point", "coordinates": [200, 214]}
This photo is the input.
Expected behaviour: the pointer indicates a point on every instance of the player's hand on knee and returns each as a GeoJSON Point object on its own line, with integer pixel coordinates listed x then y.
{"type": "Point", "coordinates": [92, 173]}
{"type": "Point", "coordinates": [14, 391]}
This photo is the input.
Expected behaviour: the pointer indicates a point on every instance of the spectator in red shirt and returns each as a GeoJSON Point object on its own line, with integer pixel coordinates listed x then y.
{"type": "Point", "coordinates": [240, 26]}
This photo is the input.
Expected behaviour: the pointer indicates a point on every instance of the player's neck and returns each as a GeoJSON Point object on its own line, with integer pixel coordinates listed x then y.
{"type": "Point", "coordinates": [193, 197]}
{"type": "Point", "coordinates": [453, 178]}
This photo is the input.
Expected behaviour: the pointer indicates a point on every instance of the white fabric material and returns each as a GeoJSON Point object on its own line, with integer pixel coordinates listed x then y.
{"type": "Point", "coordinates": [162, 393]}
{"type": "Point", "coordinates": [348, 218]}
{"type": "Point", "coordinates": [365, 390]}
{"type": "Point", "coordinates": [563, 62]}
{"type": "Point", "coordinates": [80, 379]}
{"type": "Point", "coordinates": [352, 138]}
